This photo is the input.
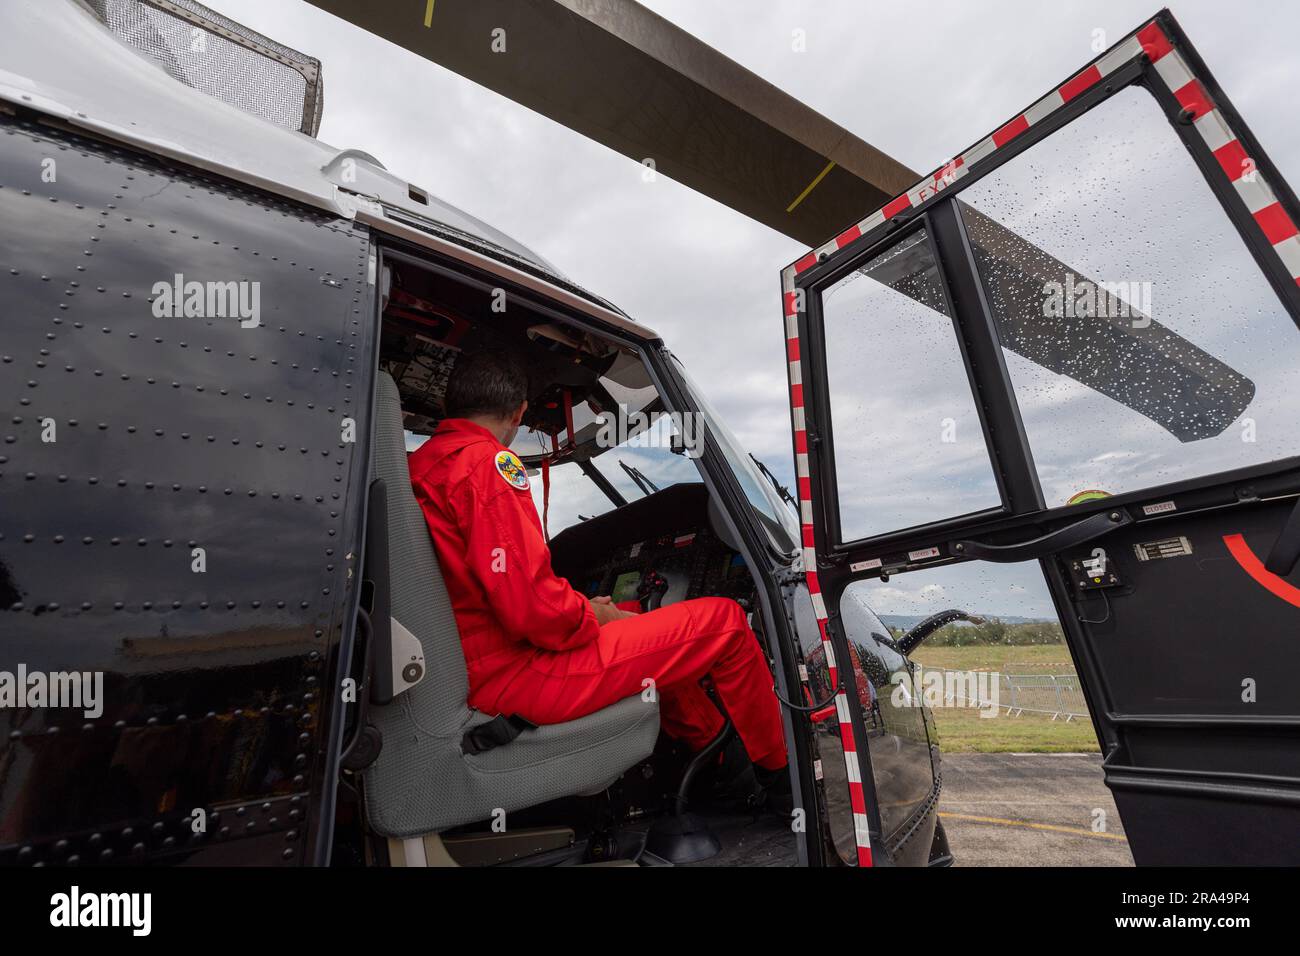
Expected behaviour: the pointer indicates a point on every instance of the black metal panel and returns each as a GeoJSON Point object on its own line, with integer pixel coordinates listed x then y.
{"type": "Point", "coordinates": [170, 434]}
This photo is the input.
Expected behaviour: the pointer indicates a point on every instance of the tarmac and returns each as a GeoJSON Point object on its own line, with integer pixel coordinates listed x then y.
{"type": "Point", "coordinates": [1013, 809]}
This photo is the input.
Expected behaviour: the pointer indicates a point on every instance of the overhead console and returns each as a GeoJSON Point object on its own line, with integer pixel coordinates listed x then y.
{"type": "Point", "coordinates": [658, 550]}
{"type": "Point", "coordinates": [430, 319]}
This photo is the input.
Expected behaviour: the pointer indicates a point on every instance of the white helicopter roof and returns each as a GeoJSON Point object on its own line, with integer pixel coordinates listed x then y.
{"type": "Point", "coordinates": [58, 58]}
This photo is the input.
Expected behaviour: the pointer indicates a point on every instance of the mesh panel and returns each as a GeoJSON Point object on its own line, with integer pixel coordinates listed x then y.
{"type": "Point", "coordinates": [218, 56]}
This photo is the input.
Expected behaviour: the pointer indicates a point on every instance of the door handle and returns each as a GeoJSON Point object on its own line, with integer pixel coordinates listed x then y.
{"type": "Point", "coordinates": [1286, 549]}
{"type": "Point", "coordinates": [1093, 526]}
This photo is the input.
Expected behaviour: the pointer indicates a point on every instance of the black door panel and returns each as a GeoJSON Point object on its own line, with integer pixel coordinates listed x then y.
{"type": "Point", "coordinates": [1185, 631]}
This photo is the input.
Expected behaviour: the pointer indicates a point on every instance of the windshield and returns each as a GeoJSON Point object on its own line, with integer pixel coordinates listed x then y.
{"type": "Point", "coordinates": [575, 497]}
{"type": "Point", "coordinates": [773, 513]}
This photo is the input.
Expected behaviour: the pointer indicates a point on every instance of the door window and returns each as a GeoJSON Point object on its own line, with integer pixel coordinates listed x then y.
{"type": "Point", "coordinates": [908, 445]}
{"type": "Point", "coordinates": [1144, 344]}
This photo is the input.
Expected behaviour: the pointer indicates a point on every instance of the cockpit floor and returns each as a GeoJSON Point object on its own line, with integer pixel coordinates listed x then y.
{"type": "Point", "coordinates": [749, 841]}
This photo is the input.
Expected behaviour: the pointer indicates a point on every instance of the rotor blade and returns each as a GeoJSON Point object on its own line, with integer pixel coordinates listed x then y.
{"type": "Point", "coordinates": [626, 77]}
{"type": "Point", "coordinates": [629, 79]}
{"type": "Point", "coordinates": [1120, 352]}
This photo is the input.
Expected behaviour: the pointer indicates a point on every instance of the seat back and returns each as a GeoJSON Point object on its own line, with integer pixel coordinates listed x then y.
{"type": "Point", "coordinates": [435, 711]}
{"type": "Point", "coordinates": [418, 597]}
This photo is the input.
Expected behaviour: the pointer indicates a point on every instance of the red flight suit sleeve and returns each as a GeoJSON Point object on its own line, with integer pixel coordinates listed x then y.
{"type": "Point", "coordinates": [508, 556]}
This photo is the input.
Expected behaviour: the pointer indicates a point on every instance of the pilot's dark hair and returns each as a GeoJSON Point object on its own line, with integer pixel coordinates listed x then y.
{"type": "Point", "coordinates": [485, 382]}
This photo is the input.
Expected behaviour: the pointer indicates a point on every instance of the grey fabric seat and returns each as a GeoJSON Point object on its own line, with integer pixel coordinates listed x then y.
{"type": "Point", "coordinates": [422, 783]}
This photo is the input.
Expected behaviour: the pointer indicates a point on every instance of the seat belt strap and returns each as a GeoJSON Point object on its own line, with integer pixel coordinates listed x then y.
{"type": "Point", "coordinates": [546, 463]}
{"type": "Point", "coordinates": [497, 732]}
{"type": "Point", "coordinates": [546, 498]}
{"type": "Point", "coordinates": [568, 417]}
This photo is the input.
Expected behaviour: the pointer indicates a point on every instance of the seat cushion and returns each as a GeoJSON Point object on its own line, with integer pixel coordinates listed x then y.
{"type": "Point", "coordinates": [422, 783]}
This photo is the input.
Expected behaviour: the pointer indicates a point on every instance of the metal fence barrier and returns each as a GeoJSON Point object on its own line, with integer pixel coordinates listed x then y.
{"type": "Point", "coordinates": [1056, 694]}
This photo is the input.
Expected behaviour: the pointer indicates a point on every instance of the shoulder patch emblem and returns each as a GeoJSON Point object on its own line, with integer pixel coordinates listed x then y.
{"type": "Point", "coordinates": [512, 470]}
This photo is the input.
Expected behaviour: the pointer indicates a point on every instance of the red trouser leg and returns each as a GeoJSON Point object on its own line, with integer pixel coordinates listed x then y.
{"type": "Point", "coordinates": [688, 714]}
{"type": "Point", "coordinates": [673, 647]}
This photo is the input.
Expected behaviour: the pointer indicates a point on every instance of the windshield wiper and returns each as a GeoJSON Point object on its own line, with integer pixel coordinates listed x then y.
{"type": "Point", "coordinates": [647, 486]}
{"type": "Point", "coordinates": [595, 474]}
{"type": "Point", "coordinates": [781, 489]}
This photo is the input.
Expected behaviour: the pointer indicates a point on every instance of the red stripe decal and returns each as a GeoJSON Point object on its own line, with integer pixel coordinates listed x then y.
{"type": "Point", "coordinates": [1009, 132]}
{"type": "Point", "coordinates": [1193, 97]}
{"type": "Point", "coordinates": [1277, 225]}
{"type": "Point", "coordinates": [1154, 42]}
{"type": "Point", "coordinates": [1240, 550]}
{"type": "Point", "coordinates": [944, 177]}
{"type": "Point", "coordinates": [864, 856]}
{"type": "Point", "coordinates": [792, 349]}
{"type": "Point", "coordinates": [796, 396]}
{"type": "Point", "coordinates": [805, 494]}
{"type": "Point", "coordinates": [1078, 84]}
{"type": "Point", "coordinates": [856, 798]}
{"type": "Point", "coordinates": [807, 262]}
{"type": "Point", "coordinates": [801, 442]}
{"type": "Point", "coordinates": [807, 536]}
{"type": "Point", "coordinates": [847, 236]}
{"type": "Point", "coordinates": [896, 206]}
{"type": "Point", "coordinates": [1232, 157]}
{"type": "Point", "coordinates": [847, 742]}
{"type": "Point", "coordinates": [791, 303]}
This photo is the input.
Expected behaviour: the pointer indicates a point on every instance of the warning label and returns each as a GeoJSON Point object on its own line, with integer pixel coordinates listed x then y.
{"type": "Point", "coordinates": [1168, 548]}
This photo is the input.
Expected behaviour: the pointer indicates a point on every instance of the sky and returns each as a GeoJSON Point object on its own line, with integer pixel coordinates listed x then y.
{"type": "Point", "coordinates": [920, 80]}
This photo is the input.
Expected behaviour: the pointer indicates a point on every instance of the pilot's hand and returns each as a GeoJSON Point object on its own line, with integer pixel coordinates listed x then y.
{"type": "Point", "coordinates": [605, 611]}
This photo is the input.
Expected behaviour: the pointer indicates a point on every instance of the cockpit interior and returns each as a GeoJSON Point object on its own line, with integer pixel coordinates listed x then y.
{"type": "Point", "coordinates": [627, 515]}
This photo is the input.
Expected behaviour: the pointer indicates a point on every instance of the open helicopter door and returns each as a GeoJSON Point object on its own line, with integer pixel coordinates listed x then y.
{"type": "Point", "coordinates": [1115, 396]}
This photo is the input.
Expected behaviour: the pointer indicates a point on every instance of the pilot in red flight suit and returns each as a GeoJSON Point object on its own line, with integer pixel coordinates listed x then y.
{"type": "Point", "coordinates": [534, 646]}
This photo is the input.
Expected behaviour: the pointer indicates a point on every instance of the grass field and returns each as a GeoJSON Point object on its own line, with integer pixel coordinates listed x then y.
{"type": "Point", "coordinates": [1031, 659]}
{"type": "Point", "coordinates": [963, 730]}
